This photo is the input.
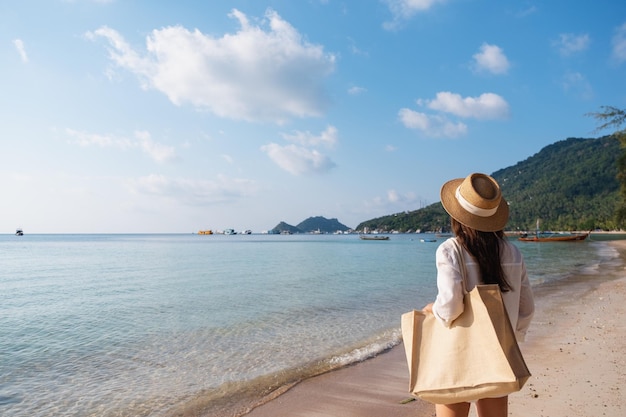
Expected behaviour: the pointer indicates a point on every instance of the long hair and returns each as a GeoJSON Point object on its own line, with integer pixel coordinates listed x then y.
{"type": "Point", "coordinates": [485, 248]}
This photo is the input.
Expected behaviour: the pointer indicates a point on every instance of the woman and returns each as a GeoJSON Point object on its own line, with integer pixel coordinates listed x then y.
{"type": "Point", "coordinates": [478, 216]}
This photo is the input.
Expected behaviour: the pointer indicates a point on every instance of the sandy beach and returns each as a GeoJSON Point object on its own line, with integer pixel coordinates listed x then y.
{"type": "Point", "coordinates": [575, 350]}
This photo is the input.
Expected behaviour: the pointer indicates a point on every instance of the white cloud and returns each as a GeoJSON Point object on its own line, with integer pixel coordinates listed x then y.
{"type": "Point", "coordinates": [19, 45]}
{"type": "Point", "coordinates": [491, 58]}
{"type": "Point", "coordinates": [526, 12]}
{"type": "Point", "coordinates": [392, 201]}
{"type": "Point", "coordinates": [394, 197]}
{"type": "Point", "coordinates": [141, 140]}
{"type": "Point", "coordinates": [194, 192]}
{"type": "Point", "coordinates": [486, 106]}
{"type": "Point", "coordinates": [255, 74]}
{"type": "Point", "coordinates": [569, 43]}
{"type": "Point", "coordinates": [298, 160]}
{"type": "Point", "coordinates": [576, 83]}
{"type": "Point", "coordinates": [327, 138]}
{"type": "Point", "coordinates": [156, 151]}
{"type": "Point", "coordinates": [355, 90]}
{"type": "Point", "coordinates": [402, 10]}
{"type": "Point", "coordinates": [93, 139]}
{"type": "Point", "coordinates": [431, 125]}
{"type": "Point", "coordinates": [619, 44]}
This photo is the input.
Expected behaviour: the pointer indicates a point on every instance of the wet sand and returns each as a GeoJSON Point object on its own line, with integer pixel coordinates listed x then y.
{"type": "Point", "coordinates": [575, 350]}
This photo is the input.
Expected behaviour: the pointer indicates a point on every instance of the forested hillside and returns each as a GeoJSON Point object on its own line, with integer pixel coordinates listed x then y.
{"type": "Point", "coordinates": [569, 185]}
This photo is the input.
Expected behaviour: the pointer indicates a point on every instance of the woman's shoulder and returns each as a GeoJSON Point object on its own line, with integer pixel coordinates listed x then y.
{"type": "Point", "coordinates": [511, 250]}
{"type": "Point", "coordinates": [447, 248]}
{"type": "Point", "coordinates": [448, 244]}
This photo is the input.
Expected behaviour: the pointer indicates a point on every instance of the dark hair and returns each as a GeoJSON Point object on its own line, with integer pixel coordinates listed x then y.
{"type": "Point", "coordinates": [485, 249]}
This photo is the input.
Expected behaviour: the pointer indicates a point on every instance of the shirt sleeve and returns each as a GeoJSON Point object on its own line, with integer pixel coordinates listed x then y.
{"type": "Point", "coordinates": [449, 302]}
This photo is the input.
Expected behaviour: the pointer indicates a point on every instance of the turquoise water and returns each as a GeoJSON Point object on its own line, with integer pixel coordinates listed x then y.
{"type": "Point", "coordinates": [159, 325]}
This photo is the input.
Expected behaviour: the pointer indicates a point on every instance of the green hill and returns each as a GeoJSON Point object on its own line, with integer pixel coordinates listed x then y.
{"type": "Point", "coordinates": [569, 185]}
{"type": "Point", "coordinates": [316, 224]}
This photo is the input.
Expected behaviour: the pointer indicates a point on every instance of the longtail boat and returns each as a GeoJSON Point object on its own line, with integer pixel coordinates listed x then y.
{"type": "Point", "coordinates": [555, 237]}
{"type": "Point", "coordinates": [375, 237]}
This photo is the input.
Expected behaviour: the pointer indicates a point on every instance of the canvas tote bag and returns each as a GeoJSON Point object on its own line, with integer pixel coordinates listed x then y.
{"type": "Point", "coordinates": [476, 357]}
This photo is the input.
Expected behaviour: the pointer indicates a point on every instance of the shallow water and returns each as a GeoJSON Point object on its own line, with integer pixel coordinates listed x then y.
{"type": "Point", "coordinates": [155, 325]}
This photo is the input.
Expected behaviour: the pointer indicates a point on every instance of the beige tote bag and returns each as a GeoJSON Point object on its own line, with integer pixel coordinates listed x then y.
{"type": "Point", "coordinates": [476, 357]}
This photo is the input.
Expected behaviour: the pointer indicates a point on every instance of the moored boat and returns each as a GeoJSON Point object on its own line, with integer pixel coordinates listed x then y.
{"type": "Point", "coordinates": [373, 237]}
{"type": "Point", "coordinates": [574, 237]}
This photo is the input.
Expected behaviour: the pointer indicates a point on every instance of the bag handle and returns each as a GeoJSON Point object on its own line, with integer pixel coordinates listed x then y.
{"type": "Point", "coordinates": [461, 260]}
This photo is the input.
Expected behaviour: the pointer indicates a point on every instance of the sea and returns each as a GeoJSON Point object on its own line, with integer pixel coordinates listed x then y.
{"type": "Point", "coordinates": [168, 325]}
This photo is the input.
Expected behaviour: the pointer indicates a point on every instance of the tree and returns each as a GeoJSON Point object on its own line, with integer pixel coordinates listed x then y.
{"type": "Point", "coordinates": [613, 118]}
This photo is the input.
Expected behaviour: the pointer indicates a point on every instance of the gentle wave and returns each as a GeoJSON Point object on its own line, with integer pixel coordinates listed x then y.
{"type": "Point", "coordinates": [236, 399]}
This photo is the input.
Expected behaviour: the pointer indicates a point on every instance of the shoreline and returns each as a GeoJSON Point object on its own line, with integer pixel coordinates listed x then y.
{"type": "Point", "coordinates": [574, 349]}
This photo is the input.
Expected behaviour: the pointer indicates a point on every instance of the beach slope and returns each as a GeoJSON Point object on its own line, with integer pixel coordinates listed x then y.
{"type": "Point", "coordinates": [575, 350]}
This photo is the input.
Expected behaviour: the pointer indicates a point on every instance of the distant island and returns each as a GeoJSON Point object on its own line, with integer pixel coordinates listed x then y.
{"type": "Point", "coordinates": [315, 225]}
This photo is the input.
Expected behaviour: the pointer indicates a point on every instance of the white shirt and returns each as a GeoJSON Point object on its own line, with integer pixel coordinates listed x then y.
{"type": "Point", "coordinates": [518, 301]}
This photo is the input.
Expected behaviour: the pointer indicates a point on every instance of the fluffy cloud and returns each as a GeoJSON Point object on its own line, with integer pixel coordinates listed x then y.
{"type": "Point", "coordinates": [298, 160]}
{"type": "Point", "coordinates": [619, 44]}
{"type": "Point", "coordinates": [484, 107]}
{"type": "Point", "coordinates": [393, 202]}
{"type": "Point", "coordinates": [301, 157]}
{"type": "Point", "coordinates": [141, 140]}
{"type": "Point", "coordinates": [19, 45]}
{"type": "Point", "coordinates": [355, 90]}
{"type": "Point", "coordinates": [402, 10]}
{"type": "Point", "coordinates": [327, 138]}
{"type": "Point", "coordinates": [256, 74]}
{"type": "Point", "coordinates": [491, 58]}
{"type": "Point", "coordinates": [193, 192]}
{"type": "Point", "coordinates": [569, 43]}
{"type": "Point", "coordinates": [431, 125]}
{"type": "Point", "coordinates": [576, 83]}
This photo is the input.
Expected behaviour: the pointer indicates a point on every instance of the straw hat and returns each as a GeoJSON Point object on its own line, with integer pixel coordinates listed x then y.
{"type": "Point", "coordinates": [476, 202]}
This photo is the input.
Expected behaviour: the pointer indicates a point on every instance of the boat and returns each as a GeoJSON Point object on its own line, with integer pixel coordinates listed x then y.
{"type": "Point", "coordinates": [374, 237]}
{"type": "Point", "coordinates": [19, 232]}
{"type": "Point", "coordinates": [230, 232]}
{"type": "Point", "coordinates": [428, 240]}
{"type": "Point", "coordinates": [554, 237]}
{"type": "Point", "coordinates": [205, 232]}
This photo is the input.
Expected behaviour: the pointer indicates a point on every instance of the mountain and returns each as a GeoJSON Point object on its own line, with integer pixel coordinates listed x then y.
{"type": "Point", "coordinates": [283, 227]}
{"type": "Point", "coordinates": [312, 225]}
{"type": "Point", "coordinates": [569, 185]}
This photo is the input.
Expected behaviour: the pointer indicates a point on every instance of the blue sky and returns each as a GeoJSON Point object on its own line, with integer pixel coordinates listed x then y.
{"type": "Point", "coordinates": [159, 116]}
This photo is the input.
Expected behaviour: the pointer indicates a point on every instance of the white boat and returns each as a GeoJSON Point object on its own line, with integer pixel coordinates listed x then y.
{"type": "Point", "coordinates": [230, 232]}
{"type": "Point", "coordinates": [19, 232]}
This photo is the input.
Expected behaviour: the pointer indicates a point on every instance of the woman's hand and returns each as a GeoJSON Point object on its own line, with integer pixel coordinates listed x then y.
{"type": "Point", "coordinates": [428, 308]}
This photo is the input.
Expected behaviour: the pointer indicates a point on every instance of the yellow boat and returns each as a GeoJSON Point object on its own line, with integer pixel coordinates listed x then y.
{"type": "Point", "coordinates": [205, 232]}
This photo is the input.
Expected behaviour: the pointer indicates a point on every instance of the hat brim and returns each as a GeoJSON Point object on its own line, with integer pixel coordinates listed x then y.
{"type": "Point", "coordinates": [484, 224]}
